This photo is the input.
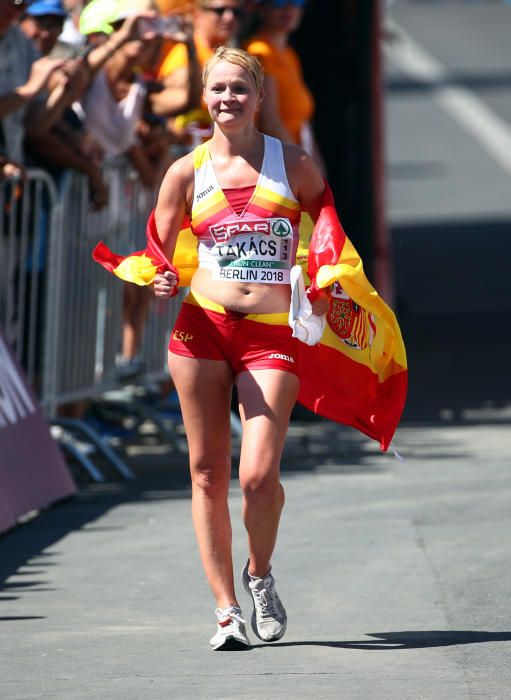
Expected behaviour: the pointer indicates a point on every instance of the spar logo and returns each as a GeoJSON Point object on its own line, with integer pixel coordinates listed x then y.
{"type": "Point", "coordinates": [280, 228]}
{"type": "Point", "coordinates": [266, 227]}
{"type": "Point", "coordinates": [221, 234]}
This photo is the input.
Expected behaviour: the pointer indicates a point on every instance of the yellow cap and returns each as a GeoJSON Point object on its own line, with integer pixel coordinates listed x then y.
{"type": "Point", "coordinates": [97, 15]}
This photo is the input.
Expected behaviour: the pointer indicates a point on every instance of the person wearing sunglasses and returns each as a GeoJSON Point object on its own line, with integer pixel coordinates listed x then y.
{"type": "Point", "coordinates": [288, 105]}
{"type": "Point", "coordinates": [215, 23]}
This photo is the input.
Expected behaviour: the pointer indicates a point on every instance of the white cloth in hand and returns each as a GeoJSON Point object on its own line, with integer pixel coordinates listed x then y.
{"type": "Point", "coordinates": [306, 326]}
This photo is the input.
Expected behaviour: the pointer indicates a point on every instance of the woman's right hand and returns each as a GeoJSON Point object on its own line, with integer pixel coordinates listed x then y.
{"type": "Point", "coordinates": [164, 284]}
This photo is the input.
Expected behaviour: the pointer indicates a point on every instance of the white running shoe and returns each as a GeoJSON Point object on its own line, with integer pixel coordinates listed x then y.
{"type": "Point", "coordinates": [269, 619]}
{"type": "Point", "coordinates": [230, 634]}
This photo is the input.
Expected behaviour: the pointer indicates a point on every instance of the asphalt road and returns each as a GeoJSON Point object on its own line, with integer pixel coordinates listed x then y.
{"type": "Point", "coordinates": [395, 577]}
{"type": "Point", "coordinates": [449, 156]}
{"type": "Point", "coordinates": [448, 149]}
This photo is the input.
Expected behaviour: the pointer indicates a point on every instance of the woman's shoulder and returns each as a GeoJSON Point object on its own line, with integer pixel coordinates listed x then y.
{"type": "Point", "coordinates": [181, 171]}
{"type": "Point", "coordinates": [302, 172]}
{"type": "Point", "coordinates": [295, 157]}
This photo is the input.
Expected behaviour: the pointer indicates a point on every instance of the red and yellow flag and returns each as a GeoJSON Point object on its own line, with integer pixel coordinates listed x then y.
{"type": "Point", "coordinates": [141, 266]}
{"type": "Point", "coordinates": [357, 374]}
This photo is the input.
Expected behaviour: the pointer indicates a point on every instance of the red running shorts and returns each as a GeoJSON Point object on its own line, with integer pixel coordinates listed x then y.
{"type": "Point", "coordinates": [207, 331]}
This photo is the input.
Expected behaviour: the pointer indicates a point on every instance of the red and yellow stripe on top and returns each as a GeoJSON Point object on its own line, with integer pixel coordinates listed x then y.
{"type": "Point", "coordinates": [266, 203]}
{"type": "Point", "coordinates": [210, 206]}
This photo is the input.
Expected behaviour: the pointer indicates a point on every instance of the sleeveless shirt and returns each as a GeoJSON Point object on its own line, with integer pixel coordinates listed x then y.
{"type": "Point", "coordinates": [259, 245]}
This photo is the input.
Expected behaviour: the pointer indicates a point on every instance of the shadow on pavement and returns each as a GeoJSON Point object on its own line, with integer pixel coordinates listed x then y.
{"type": "Point", "coordinates": [312, 446]}
{"type": "Point", "coordinates": [25, 545]}
{"type": "Point", "coordinates": [404, 640]}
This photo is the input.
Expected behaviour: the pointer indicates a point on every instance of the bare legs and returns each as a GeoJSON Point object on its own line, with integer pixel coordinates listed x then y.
{"type": "Point", "coordinates": [266, 399]}
{"type": "Point", "coordinates": [204, 390]}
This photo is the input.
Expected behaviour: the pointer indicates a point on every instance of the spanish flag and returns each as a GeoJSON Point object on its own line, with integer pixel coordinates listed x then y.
{"type": "Point", "coordinates": [357, 373]}
{"type": "Point", "coordinates": [141, 266]}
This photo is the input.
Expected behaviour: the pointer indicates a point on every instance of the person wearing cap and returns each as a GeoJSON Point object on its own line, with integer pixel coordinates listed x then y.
{"type": "Point", "coordinates": [62, 146]}
{"type": "Point", "coordinates": [42, 23]}
{"type": "Point", "coordinates": [94, 23]}
{"type": "Point", "coordinates": [25, 104]}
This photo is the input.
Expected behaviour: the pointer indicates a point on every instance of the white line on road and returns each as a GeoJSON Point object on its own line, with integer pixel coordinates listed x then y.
{"type": "Point", "coordinates": [492, 132]}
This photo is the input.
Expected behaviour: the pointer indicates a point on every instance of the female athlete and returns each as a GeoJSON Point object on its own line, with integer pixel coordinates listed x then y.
{"type": "Point", "coordinates": [243, 192]}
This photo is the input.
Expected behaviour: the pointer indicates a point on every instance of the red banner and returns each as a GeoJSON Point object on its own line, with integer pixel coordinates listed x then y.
{"type": "Point", "coordinates": [33, 473]}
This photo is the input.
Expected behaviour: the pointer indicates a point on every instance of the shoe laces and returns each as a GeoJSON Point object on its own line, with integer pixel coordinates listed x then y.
{"type": "Point", "coordinates": [265, 598]}
{"type": "Point", "coordinates": [230, 615]}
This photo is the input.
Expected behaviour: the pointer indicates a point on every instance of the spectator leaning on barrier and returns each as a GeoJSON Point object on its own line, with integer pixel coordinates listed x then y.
{"type": "Point", "coordinates": [114, 106]}
{"type": "Point", "coordinates": [66, 145]}
{"type": "Point", "coordinates": [115, 100]}
{"type": "Point", "coordinates": [25, 104]}
{"type": "Point", "coordinates": [288, 105]}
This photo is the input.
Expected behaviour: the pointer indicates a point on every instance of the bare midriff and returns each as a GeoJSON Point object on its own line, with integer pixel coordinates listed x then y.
{"type": "Point", "coordinates": [242, 297]}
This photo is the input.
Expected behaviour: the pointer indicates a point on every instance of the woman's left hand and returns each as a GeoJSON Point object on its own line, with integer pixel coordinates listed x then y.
{"type": "Point", "coordinates": [321, 303]}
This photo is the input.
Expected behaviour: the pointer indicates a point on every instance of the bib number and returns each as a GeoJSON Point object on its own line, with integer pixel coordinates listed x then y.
{"type": "Point", "coordinates": [258, 251]}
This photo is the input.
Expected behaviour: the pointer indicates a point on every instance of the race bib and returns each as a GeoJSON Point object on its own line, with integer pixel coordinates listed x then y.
{"type": "Point", "coordinates": [257, 251]}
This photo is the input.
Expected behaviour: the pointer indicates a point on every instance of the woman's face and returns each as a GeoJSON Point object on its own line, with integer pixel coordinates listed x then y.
{"type": "Point", "coordinates": [231, 95]}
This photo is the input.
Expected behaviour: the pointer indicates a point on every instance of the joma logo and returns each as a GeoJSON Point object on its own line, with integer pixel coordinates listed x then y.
{"type": "Point", "coordinates": [204, 193]}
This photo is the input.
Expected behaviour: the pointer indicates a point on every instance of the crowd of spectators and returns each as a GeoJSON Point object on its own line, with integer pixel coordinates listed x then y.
{"type": "Point", "coordinates": [81, 82]}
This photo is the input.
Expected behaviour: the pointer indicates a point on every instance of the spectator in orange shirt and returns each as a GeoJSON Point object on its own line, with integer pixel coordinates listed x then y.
{"type": "Point", "coordinates": [216, 23]}
{"type": "Point", "coordinates": [288, 105]}
{"type": "Point", "coordinates": [178, 87]}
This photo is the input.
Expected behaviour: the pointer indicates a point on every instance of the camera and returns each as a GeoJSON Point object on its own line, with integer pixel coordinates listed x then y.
{"type": "Point", "coordinates": [161, 26]}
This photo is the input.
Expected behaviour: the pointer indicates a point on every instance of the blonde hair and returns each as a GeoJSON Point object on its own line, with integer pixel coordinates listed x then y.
{"type": "Point", "coordinates": [240, 58]}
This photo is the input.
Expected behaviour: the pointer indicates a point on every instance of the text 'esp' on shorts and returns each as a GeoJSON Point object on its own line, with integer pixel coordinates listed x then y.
{"type": "Point", "coordinates": [244, 341]}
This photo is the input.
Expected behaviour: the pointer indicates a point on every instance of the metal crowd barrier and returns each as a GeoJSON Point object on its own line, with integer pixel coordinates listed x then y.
{"type": "Point", "coordinates": [61, 312]}
{"type": "Point", "coordinates": [28, 209]}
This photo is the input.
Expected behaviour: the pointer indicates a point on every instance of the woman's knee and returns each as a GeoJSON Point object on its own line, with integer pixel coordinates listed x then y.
{"type": "Point", "coordinates": [210, 477]}
{"type": "Point", "coordinates": [261, 486]}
